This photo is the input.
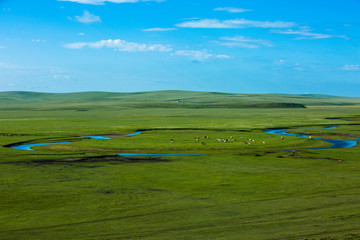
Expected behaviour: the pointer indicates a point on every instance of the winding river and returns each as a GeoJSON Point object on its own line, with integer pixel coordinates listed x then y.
{"type": "Point", "coordinates": [28, 147]}
{"type": "Point", "coordinates": [334, 143]}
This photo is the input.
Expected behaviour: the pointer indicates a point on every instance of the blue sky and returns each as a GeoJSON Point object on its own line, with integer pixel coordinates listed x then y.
{"type": "Point", "coordinates": [247, 46]}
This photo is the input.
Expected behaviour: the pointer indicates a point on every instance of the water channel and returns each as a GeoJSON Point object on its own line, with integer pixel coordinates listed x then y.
{"type": "Point", "coordinates": [334, 143]}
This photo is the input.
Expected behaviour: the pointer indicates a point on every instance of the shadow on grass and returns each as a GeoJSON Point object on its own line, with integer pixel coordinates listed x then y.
{"type": "Point", "coordinates": [98, 159]}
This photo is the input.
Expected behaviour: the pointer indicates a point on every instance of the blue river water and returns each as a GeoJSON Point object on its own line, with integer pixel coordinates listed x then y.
{"type": "Point", "coordinates": [334, 143]}
{"type": "Point", "coordinates": [98, 137]}
{"type": "Point", "coordinates": [330, 127]}
{"type": "Point", "coordinates": [28, 147]}
{"type": "Point", "coordinates": [135, 133]}
{"type": "Point", "coordinates": [108, 136]}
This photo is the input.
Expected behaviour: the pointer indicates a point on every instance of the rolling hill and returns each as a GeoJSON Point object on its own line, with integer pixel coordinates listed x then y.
{"type": "Point", "coordinates": [164, 99]}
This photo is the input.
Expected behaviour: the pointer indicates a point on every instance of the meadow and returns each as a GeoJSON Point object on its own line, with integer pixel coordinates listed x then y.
{"type": "Point", "coordinates": [83, 190]}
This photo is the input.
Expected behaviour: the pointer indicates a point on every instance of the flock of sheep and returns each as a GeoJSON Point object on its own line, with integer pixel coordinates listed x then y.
{"type": "Point", "coordinates": [222, 140]}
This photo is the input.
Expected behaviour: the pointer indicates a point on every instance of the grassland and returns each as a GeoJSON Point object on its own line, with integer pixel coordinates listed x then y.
{"type": "Point", "coordinates": [233, 191]}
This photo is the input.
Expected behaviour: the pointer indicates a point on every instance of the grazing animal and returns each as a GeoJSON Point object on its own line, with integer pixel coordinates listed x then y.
{"type": "Point", "coordinates": [203, 143]}
{"type": "Point", "coordinates": [171, 140]}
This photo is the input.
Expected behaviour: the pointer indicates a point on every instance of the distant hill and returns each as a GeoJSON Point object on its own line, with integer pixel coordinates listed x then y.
{"type": "Point", "coordinates": [164, 99]}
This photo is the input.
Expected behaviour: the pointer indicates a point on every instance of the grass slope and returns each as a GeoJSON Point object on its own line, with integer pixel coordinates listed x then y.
{"type": "Point", "coordinates": [234, 191]}
{"type": "Point", "coordinates": [166, 99]}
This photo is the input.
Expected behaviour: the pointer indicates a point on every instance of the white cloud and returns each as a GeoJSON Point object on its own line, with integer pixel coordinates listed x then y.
{"type": "Point", "coordinates": [88, 18]}
{"type": "Point", "coordinates": [280, 61]}
{"type": "Point", "coordinates": [234, 23]}
{"type": "Point", "coordinates": [352, 67]}
{"type": "Point", "coordinates": [2, 47]}
{"type": "Point", "coordinates": [38, 40]}
{"type": "Point", "coordinates": [232, 9]}
{"type": "Point", "coordinates": [222, 56]}
{"type": "Point", "coordinates": [102, 2]}
{"type": "Point", "coordinates": [121, 45]}
{"type": "Point", "coordinates": [241, 41]}
{"type": "Point", "coordinates": [305, 33]}
{"type": "Point", "coordinates": [158, 29]}
{"type": "Point", "coordinates": [200, 55]}
{"type": "Point", "coordinates": [81, 34]}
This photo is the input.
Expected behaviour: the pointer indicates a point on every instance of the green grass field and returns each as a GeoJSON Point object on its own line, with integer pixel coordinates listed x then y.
{"type": "Point", "coordinates": [232, 191]}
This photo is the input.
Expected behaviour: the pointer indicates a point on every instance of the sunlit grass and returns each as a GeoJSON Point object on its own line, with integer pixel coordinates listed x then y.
{"type": "Point", "coordinates": [233, 191]}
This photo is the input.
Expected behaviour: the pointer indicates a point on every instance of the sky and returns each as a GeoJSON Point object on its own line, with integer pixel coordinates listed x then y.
{"type": "Point", "coordinates": [239, 46]}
